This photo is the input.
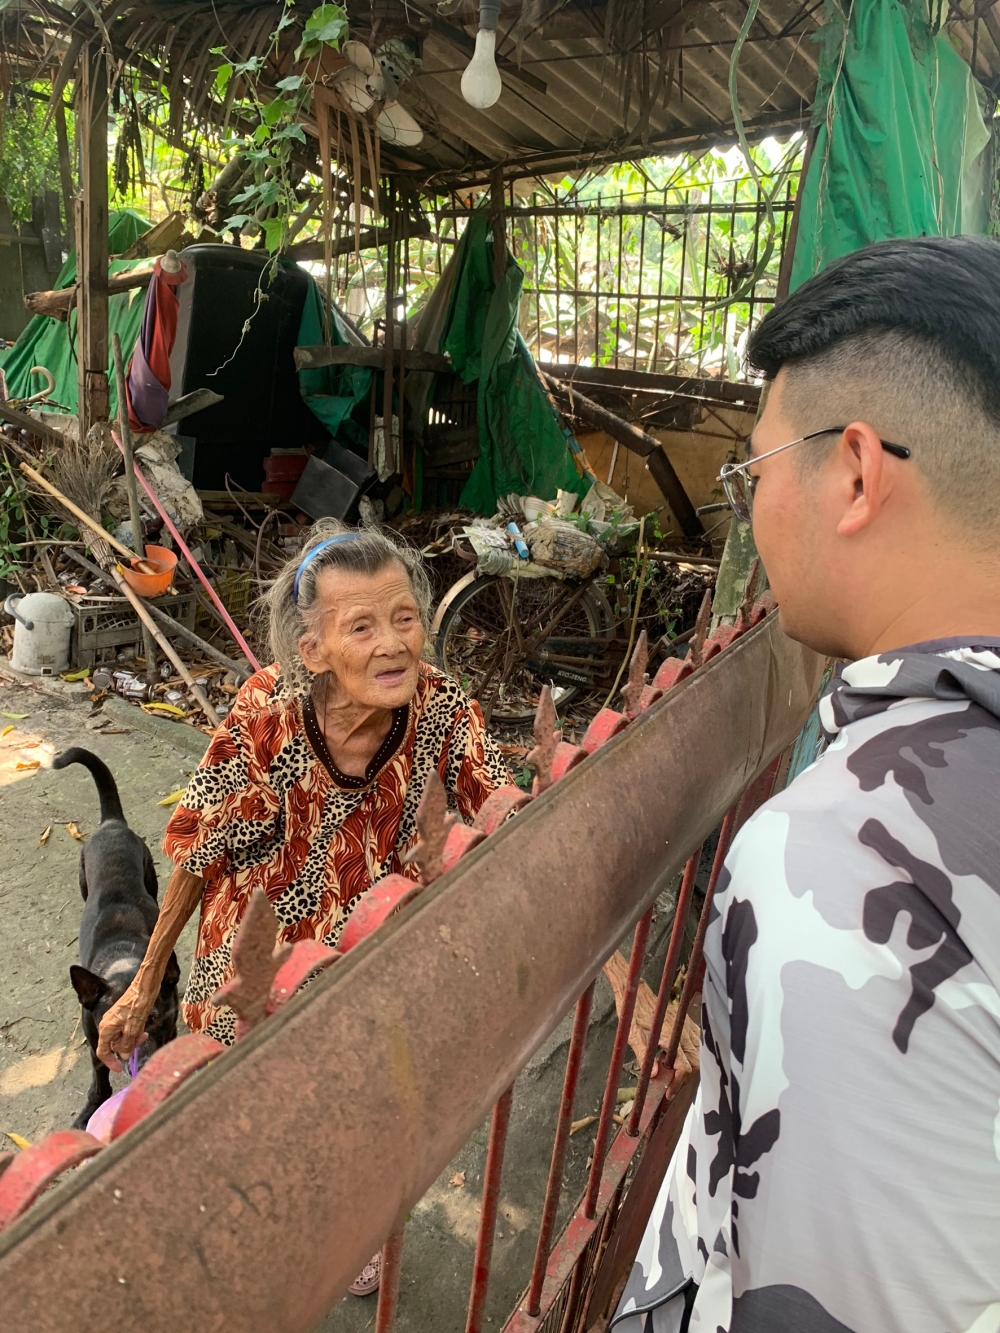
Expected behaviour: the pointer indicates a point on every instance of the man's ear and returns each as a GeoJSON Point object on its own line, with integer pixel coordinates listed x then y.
{"type": "Point", "coordinates": [173, 973]}
{"type": "Point", "coordinates": [88, 985]}
{"type": "Point", "coordinates": [864, 465]}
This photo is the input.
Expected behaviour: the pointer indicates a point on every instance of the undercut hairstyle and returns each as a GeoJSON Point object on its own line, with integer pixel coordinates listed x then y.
{"type": "Point", "coordinates": [904, 335]}
{"type": "Point", "coordinates": [285, 620]}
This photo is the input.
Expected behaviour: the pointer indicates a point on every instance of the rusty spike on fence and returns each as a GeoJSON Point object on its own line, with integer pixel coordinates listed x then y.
{"type": "Point", "coordinates": [746, 606]}
{"type": "Point", "coordinates": [255, 963]}
{"type": "Point", "coordinates": [701, 630]}
{"type": "Point", "coordinates": [547, 735]}
{"type": "Point", "coordinates": [637, 676]}
{"type": "Point", "coordinates": [434, 823]}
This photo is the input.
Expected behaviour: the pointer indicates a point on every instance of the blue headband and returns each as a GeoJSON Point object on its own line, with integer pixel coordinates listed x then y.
{"type": "Point", "coordinates": [310, 556]}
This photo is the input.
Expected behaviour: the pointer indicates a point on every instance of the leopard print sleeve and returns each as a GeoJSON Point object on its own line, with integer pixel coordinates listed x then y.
{"type": "Point", "coordinates": [476, 767]}
{"type": "Point", "coordinates": [230, 802]}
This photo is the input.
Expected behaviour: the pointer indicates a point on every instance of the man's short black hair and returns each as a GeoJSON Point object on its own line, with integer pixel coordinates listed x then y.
{"type": "Point", "coordinates": [942, 291]}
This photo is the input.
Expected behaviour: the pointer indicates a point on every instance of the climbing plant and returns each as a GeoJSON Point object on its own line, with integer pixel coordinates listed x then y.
{"type": "Point", "coordinates": [268, 198]}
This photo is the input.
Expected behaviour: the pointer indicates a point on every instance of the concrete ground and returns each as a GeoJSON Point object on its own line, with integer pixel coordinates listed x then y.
{"type": "Point", "coordinates": [45, 1065]}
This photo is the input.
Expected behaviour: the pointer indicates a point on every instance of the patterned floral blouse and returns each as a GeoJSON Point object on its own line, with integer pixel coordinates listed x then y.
{"type": "Point", "coordinates": [269, 809]}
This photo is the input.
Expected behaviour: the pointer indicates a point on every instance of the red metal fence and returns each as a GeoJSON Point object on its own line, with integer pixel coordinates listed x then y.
{"type": "Point", "coordinates": [177, 1223]}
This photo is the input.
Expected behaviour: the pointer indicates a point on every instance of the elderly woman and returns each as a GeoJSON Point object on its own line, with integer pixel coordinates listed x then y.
{"type": "Point", "coordinates": [310, 788]}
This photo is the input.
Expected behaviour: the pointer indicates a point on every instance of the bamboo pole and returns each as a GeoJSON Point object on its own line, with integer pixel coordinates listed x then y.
{"type": "Point", "coordinates": [135, 517]}
{"type": "Point", "coordinates": [149, 623]}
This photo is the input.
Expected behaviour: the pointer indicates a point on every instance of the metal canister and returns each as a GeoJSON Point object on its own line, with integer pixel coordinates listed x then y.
{"type": "Point", "coordinates": [136, 689]}
{"type": "Point", "coordinates": [101, 678]}
{"type": "Point", "coordinates": [175, 697]}
{"type": "Point", "coordinates": [166, 670]}
{"type": "Point", "coordinates": [121, 678]}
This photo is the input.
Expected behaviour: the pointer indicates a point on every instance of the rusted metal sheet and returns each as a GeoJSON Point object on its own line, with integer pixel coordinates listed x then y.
{"type": "Point", "coordinates": [262, 1153]}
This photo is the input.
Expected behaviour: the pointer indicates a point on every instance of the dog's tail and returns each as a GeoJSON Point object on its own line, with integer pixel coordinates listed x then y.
{"type": "Point", "coordinates": [107, 790]}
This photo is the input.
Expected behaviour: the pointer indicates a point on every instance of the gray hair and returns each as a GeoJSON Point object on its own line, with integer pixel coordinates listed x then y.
{"type": "Point", "coordinates": [285, 620]}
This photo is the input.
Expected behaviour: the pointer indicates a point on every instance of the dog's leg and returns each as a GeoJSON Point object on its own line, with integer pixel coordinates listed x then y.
{"type": "Point", "coordinates": [100, 1091]}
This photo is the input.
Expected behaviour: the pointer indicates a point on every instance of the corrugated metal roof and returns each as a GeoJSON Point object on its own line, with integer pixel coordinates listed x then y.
{"type": "Point", "coordinates": [584, 81]}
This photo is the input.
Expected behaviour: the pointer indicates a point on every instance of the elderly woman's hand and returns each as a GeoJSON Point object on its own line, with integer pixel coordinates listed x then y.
{"type": "Point", "coordinates": [123, 1026]}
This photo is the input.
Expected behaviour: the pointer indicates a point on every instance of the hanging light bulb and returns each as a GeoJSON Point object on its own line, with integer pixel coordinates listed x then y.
{"type": "Point", "coordinates": [481, 84]}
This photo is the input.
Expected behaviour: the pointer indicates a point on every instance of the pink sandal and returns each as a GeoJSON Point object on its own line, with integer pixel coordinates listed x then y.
{"type": "Point", "coordinates": [368, 1279]}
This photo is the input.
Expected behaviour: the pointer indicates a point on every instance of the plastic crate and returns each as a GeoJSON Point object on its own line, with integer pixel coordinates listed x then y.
{"type": "Point", "coordinates": [106, 626]}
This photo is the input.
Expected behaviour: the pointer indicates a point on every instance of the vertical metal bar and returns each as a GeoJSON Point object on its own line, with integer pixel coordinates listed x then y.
{"type": "Point", "coordinates": [670, 964]}
{"type": "Point", "coordinates": [538, 283]}
{"type": "Point", "coordinates": [642, 274]}
{"type": "Point", "coordinates": [573, 1298]}
{"type": "Point", "coordinates": [696, 963]}
{"type": "Point", "coordinates": [680, 292]}
{"type": "Point", "coordinates": [618, 274]}
{"type": "Point", "coordinates": [709, 218]}
{"type": "Point", "coordinates": [488, 1215]}
{"type": "Point", "coordinates": [597, 290]}
{"type": "Point", "coordinates": [553, 1186]}
{"type": "Point", "coordinates": [558, 278]}
{"type": "Point", "coordinates": [654, 360]}
{"type": "Point", "coordinates": [576, 288]}
{"type": "Point", "coordinates": [614, 1068]}
{"type": "Point", "coordinates": [388, 1291]}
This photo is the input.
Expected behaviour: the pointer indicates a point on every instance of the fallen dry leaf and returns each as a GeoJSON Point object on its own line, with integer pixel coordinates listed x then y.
{"type": "Point", "coordinates": [458, 1180]}
{"type": "Point", "coordinates": [17, 1140]}
{"type": "Point", "coordinates": [582, 1124]}
{"type": "Point", "coordinates": [45, 836]}
{"type": "Point", "coordinates": [74, 832]}
{"type": "Point", "coordinates": [7, 729]}
{"type": "Point", "coordinates": [31, 763]}
{"type": "Point", "coordinates": [616, 971]}
{"type": "Point", "coordinates": [174, 797]}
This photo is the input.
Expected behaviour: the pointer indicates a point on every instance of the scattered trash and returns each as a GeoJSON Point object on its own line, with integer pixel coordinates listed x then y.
{"type": "Point", "coordinates": [7, 729]}
{"type": "Point", "coordinates": [18, 1140]}
{"type": "Point", "coordinates": [24, 765]}
{"type": "Point", "coordinates": [458, 1180]}
{"type": "Point", "coordinates": [18, 716]}
{"type": "Point", "coordinates": [582, 1124]}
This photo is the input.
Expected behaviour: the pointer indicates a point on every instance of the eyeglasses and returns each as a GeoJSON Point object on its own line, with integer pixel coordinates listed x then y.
{"type": "Point", "coordinates": [739, 485]}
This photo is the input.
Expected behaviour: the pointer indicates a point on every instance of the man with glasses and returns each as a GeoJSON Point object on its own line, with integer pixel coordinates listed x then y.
{"type": "Point", "coordinates": [840, 1169]}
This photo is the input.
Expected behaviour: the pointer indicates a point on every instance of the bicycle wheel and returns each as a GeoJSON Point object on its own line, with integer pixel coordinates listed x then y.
{"type": "Point", "coordinates": [477, 643]}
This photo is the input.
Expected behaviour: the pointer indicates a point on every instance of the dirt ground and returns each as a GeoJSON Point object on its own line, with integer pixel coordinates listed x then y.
{"type": "Point", "coordinates": [45, 1064]}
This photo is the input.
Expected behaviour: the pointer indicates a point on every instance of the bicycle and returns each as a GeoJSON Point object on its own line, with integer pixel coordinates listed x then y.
{"type": "Point", "coordinates": [495, 634]}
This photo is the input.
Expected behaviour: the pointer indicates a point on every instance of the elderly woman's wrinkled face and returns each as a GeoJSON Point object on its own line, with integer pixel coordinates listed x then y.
{"type": "Point", "coordinates": [367, 634]}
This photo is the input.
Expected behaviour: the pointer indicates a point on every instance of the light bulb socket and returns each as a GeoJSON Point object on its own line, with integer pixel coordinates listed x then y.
{"type": "Point", "coordinates": [489, 15]}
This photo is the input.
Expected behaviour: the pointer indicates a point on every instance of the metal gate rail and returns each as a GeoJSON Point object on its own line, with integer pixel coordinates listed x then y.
{"type": "Point", "coordinates": [178, 1223]}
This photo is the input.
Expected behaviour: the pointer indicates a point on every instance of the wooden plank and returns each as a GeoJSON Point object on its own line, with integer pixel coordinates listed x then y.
{"type": "Point", "coordinates": [373, 358]}
{"type": "Point", "coordinates": [57, 304]}
{"type": "Point", "coordinates": [92, 239]}
{"type": "Point", "coordinates": [642, 381]}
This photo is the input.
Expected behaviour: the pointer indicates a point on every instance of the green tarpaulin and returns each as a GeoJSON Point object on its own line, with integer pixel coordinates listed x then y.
{"type": "Point", "coordinates": [52, 343]}
{"type": "Point", "coordinates": [522, 446]}
{"type": "Point", "coordinates": [899, 136]}
{"type": "Point", "coordinates": [332, 392]}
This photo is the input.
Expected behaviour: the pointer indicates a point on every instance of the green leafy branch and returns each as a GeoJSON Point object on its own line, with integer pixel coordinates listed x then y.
{"type": "Point", "coordinates": [269, 199]}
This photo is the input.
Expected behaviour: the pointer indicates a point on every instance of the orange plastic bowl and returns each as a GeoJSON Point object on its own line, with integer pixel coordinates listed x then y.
{"type": "Point", "coordinates": [152, 585]}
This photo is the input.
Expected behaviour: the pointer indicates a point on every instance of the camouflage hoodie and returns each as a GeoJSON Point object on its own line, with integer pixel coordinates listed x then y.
{"type": "Point", "coordinates": [839, 1171]}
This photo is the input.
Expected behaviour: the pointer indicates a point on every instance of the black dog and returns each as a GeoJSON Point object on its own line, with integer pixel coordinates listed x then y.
{"type": "Point", "coordinates": [118, 883]}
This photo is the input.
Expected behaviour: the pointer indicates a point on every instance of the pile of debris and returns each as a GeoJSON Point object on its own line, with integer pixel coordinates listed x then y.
{"type": "Point", "coordinates": [169, 629]}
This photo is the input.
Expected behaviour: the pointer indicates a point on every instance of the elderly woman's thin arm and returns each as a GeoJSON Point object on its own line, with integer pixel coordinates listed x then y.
{"type": "Point", "coordinates": [123, 1026]}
